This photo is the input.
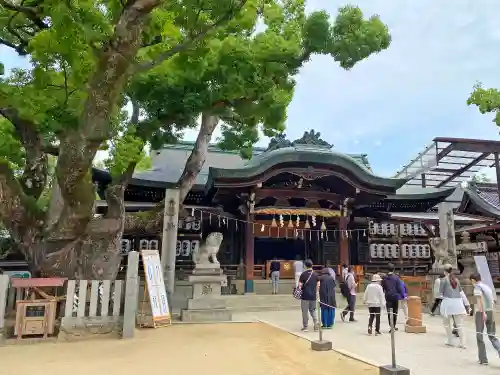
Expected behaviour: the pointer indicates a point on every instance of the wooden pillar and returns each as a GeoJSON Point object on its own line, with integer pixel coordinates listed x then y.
{"type": "Point", "coordinates": [249, 254]}
{"type": "Point", "coordinates": [344, 241]}
{"type": "Point", "coordinates": [497, 169]}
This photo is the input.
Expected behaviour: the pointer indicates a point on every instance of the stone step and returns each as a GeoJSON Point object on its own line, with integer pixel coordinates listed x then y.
{"type": "Point", "coordinates": [259, 302]}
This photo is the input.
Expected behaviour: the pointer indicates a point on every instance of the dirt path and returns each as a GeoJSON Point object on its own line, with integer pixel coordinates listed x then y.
{"type": "Point", "coordinates": [223, 349]}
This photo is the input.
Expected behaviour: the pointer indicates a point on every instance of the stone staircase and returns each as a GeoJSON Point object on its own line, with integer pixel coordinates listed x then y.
{"type": "Point", "coordinates": [279, 302]}
{"type": "Point", "coordinates": [261, 302]}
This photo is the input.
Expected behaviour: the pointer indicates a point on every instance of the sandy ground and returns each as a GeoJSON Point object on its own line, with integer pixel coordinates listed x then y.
{"type": "Point", "coordinates": [223, 349]}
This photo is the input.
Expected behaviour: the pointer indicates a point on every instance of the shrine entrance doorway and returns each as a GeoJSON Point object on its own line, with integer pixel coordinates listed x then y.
{"type": "Point", "coordinates": [282, 248]}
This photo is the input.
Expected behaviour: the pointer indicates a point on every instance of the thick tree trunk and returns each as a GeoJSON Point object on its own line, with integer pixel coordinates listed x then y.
{"type": "Point", "coordinates": [198, 155]}
{"type": "Point", "coordinates": [152, 221]}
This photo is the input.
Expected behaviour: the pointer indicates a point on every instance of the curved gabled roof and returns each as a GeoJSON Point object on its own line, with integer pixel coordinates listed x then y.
{"type": "Point", "coordinates": [484, 197]}
{"type": "Point", "coordinates": [303, 155]}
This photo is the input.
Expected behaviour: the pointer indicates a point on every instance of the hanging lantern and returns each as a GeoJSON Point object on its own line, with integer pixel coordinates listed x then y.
{"type": "Point", "coordinates": [313, 220]}
{"type": "Point", "coordinates": [273, 223]}
{"type": "Point", "coordinates": [323, 226]}
{"type": "Point", "coordinates": [306, 225]}
{"type": "Point", "coordinates": [298, 221]}
{"type": "Point", "coordinates": [290, 224]}
{"type": "Point", "coordinates": [282, 222]}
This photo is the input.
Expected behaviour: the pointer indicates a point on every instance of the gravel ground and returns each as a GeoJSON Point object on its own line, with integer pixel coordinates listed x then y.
{"type": "Point", "coordinates": [222, 349]}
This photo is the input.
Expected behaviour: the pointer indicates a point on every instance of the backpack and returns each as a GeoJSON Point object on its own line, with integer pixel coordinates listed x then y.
{"type": "Point", "coordinates": [344, 289]}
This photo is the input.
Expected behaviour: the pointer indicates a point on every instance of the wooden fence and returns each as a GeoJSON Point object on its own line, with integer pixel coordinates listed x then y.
{"type": "Point", "coordinates": [107, 305]}
{"type": "Point", "coordinates": [93, 303]}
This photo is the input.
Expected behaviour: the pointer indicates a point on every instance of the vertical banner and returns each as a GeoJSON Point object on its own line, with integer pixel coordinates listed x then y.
{"type": "Point", "coordinates": [155, 284]}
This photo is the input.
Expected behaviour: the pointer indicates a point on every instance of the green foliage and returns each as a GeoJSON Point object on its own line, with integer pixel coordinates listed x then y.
{"type": "Point", "coordinates": [10, 147]}
{"type": "Point", "coordinates": [480, 178]}
{"type": "Point", "coordinates": [486, 100]}
{"type": "Point", "coordinates": [247, 77]}
{"type": "Point", "coordinates": [144, 164]}
{"type": "Point", "coordinates": [126, 149]}
{"type": "Point", "coordinates": [233, 59]}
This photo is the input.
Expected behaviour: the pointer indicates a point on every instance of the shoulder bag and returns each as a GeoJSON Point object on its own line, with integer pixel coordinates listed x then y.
{"type": "Point", "coordinates": [297, 292]}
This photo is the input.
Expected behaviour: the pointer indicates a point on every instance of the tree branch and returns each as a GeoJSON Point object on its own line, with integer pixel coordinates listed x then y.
{"type": "Point", "coordinates": [34, 176]}
{"type": "Point", "coordinates": [116, 190]}
{"type": "Point", "coordinates": [31, 13]}
{"type": "Point", "coordinates": [147, 65]}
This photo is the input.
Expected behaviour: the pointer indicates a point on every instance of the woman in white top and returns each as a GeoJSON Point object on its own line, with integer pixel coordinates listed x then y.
{"type": "Point", "coordinates": [452, 307]}
{"type": "Point", "coordinates": [298, 268]}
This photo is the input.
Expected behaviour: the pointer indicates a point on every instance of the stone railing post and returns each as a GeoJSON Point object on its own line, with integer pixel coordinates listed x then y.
{"type": "Point", "coordinates": [131, 295]}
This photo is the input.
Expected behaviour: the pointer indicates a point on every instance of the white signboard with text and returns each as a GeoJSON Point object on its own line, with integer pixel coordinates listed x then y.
{"type": "Point", "coordinates": [155, 284]}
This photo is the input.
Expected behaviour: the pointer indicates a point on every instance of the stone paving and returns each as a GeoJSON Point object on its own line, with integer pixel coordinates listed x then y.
{"type": "Point", "coordinates": [423, 354]}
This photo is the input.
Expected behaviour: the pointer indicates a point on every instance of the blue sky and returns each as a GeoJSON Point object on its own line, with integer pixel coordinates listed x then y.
{"type": "Point", "coordinates": [393, 104]}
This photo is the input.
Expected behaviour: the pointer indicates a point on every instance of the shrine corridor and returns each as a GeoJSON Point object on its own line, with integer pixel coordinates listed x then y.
{"type": "Point", "coordinates": [223, 349]}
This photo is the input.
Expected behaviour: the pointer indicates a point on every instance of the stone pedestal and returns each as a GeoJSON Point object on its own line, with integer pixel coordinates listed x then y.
{"type": "Point", "coordinates": [389, 370]}
{"type": "Point", "coordinates": [321, 345]}
{"type": "Point", "coordinates": [206, 304]}
{"type": "Point", "coordinates": [414, 322]}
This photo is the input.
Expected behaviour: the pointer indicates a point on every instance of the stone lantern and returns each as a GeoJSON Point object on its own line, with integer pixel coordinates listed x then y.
{"type": "Point", "coordinates": [467, 250]}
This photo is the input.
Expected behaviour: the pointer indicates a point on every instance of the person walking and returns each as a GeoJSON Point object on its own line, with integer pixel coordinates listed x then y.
{"type": "Point", "coordinates": [327, 299]}
{"type": "Point", "coordinates": [437, 297]}
{"type": "Point", "coordinates": [298, 268]}
{"type": "Point", "coordinates": [309, 284]}
{"type": "Point", "coordinates": [331, 272]}
{"type": "Point", "coordinates": [345, 270]}
{"type": "Point", "coordinates": [484, 317]}
{"type": "Point", "coordinates": [275, 274]}
{"type": "Point", "coordinates": [350, 295]}
{"type": "Point", "coordinates": [452, 307]}
{"type": "Point", "coordinates": [393, 294]}
{"type": "Point", "coordinates": [404, 298]}
{"type": "Point", "coordinates": [374, 298]}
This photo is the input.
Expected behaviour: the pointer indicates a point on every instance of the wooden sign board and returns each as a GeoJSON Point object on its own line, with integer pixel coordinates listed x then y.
{"type": "Point", "coordinates": [155, 286]}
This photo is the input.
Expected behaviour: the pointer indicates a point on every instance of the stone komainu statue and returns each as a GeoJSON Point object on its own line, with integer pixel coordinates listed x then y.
{"type": "Point", "coordinates": [208, 251]}
{"type": "Point", "coordinates": [440, 249]}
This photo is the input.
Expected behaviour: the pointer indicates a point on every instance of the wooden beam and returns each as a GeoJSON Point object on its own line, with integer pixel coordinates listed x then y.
{"type": "Point", "coordinates": [464, 169]}
{"type": "Point", "coordinates": [296, 193]}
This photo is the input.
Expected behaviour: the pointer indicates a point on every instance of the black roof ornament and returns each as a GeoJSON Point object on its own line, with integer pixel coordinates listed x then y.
{"type": "Point", "coordinates": [310, 138]}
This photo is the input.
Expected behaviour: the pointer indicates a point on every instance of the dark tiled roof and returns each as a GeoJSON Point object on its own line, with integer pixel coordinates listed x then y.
{"type": "Point", "coordinates": [489, 193]}
{"type": "Point", "coordinates": [483, 197]}
{"type": "Point", "coordinates": [169, 162]}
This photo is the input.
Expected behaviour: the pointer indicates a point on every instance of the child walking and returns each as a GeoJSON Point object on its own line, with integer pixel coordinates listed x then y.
{"type": "Point", "coordinates": [374, 298]}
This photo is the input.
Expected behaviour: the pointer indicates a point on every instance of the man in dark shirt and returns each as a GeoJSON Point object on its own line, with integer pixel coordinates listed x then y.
{"type": "Point", "coordinates": [275, 274]}
{"type": "Point", "coordinates": [309, 283]}
{"type": "Point", "coordinates": [393, 294]}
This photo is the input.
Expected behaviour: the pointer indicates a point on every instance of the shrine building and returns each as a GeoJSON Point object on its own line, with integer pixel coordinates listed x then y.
{"type": "Point", "coordinates": [300, 199]}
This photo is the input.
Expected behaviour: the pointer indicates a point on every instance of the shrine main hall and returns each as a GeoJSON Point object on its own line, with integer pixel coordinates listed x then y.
{"type": "Point", "coordinates": [304, 199]}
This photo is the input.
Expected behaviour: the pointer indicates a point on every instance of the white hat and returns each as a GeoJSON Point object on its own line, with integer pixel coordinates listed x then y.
{"type": "Point", "coordinates": [376, 277]}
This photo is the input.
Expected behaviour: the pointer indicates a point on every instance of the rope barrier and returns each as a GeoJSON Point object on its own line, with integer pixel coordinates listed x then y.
{"type": "Point", "coordinates": [361, 311]}
{"type": "Point", "coordinates": [224, 220]}
{"type": "Point", "coordinates": [387, 313]}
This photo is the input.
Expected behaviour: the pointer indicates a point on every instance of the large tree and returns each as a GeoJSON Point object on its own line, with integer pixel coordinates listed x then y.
{"type": "Point", "coordinates": [227, 61]}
